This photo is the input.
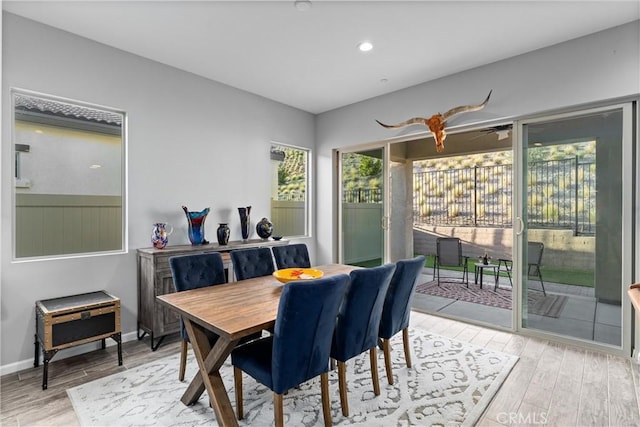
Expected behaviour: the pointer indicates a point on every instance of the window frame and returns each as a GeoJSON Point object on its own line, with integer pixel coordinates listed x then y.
{"type": "Point", "coordinates": [124, 243]}
{"type": "Point", "coordinates": [308, 188]}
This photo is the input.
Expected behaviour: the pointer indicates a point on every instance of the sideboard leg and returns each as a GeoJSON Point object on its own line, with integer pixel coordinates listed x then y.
{"type": "Point", "coordinates": [155, 347]}
{"type": "Point", "coordinates": [138, 332]}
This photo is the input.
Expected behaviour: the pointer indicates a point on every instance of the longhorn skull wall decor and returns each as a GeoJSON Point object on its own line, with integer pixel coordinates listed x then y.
{"type": "Point", "coordinates": [437, 122]}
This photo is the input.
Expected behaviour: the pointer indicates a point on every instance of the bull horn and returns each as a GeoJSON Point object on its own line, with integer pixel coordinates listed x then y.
{"type": "Point", "coordinates": [465, 108]}
{"type": "Point", "coordinates": [412, 121]}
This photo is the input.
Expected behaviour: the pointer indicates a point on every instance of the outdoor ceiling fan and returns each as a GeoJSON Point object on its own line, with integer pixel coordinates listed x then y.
{"type": "Point", "coordinates": [502, 131]}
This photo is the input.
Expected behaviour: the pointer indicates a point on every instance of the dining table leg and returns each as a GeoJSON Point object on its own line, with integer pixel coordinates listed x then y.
{"type": "Point", "coordinates": [210, 360]}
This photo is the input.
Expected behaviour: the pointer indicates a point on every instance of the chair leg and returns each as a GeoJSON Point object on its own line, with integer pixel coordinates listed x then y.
{"type": "Point", "coordinates": [342, 385]}
{"type": "Point", "coordinates": [237, 380]}
{"type": "Point", "coordinates": [465, 272]}
{"type": "Point", "coordinates": [386, 348]}
{"type": "Point", "coordinates": [278, 410]}
{"type": "Point", "coordinates": [434, 268]}
{"type": "Point", "coordinates": [405, 341]}
{"type": "Point", "coordinates": [326, 402]}
{"type": "Point", "coordinates": [183, 360]}
{"type": "Point", "coordinates": [541, 282]}
{"type": "Point", "coordinates": [373, 358]}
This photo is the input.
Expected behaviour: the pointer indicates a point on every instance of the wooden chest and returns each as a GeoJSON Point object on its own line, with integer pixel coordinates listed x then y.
{"type": "Point", "coordinates": [73, 320]}
{"type": "Point", "coordinates": [77, 319]}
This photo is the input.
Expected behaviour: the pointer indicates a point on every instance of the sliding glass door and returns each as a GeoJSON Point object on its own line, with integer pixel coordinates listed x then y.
{"type": "Point", "coordinates": [362, 207]}
{"type": "Point", "coordinates": [376, 202]}
{"type": "Point", "coordinates": [574, 228]}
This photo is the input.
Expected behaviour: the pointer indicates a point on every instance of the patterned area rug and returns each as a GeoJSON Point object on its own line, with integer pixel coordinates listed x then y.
{"type": "Point", "coordinates": [550, 305]}
{"type": "Point", "coordinates": [451, 383]}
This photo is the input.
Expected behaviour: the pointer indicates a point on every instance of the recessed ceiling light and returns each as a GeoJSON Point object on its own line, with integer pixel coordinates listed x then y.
{"type": "Point", "coordinates": [302, 5]}
{"type": "Point", "coordinates": [95, 166]}
{"type": "Point", "coordinates": [365, 46]}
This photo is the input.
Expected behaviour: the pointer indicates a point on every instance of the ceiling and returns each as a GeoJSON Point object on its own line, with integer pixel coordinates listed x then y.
{"type": "Point", "coordinates": [308, 59]}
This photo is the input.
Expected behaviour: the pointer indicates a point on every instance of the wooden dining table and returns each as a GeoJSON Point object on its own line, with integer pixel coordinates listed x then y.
{"type": "Point", "coordinates": [232, 311]}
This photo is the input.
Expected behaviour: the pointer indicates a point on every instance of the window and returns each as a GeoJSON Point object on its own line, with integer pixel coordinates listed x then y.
{"type": "Point", "coordinates": [289, 190]}
{"type": "Point", "coordinates": [69, 177]}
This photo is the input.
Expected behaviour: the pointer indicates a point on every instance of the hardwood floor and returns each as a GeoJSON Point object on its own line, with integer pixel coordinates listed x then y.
{"type": "Point", "coordinates": [552, 384]}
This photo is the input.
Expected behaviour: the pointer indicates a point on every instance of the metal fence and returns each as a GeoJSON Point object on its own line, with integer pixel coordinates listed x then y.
{"type": "Point", "coordinates": [296, 196]}
{"type": "Point", "coordinates": [561, 194]}
{"type": "Point", "coordinates": [362, 195]}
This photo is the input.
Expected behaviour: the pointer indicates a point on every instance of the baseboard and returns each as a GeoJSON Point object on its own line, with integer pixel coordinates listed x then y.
{"type": "Point", "coordinates": [63, 354]}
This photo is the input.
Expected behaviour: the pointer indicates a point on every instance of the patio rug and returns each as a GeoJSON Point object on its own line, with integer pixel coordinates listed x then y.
{"type": "Point", "coordinates": [451, 383]}
{"type": "Point", "coordinates": [549, 306]}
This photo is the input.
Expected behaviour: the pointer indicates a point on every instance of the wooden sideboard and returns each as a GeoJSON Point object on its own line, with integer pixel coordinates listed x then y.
{"type": "Point", "coordinates": [154, 278]}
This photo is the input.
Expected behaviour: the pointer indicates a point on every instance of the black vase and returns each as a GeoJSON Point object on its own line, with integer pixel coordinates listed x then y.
{"type": "Point", "coordinates": [223, 233]}
{"type": "Point", "coordinates": [264, 228]}
{"type": "Point", "coordinates": [244, 221]}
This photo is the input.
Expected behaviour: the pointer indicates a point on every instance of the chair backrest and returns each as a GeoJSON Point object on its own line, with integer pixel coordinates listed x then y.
{"type": "Point", "coordinates": [289, 256]}
{"type": "Point", "coordinates": [397, 304]}
{"type": "Point", "coordinates": [253, 262]}
{"type": "Point", "coordinates": [359, 316]}
{"type": "Point", "coordinates": [197, 270]}
{"type": "Point", "coordinates": [534, 256]}
{"type": "Point", "coordinates": [534, 253]}
{"type": "Point", "coordinates": [304, 329]}
{"type": "Point", "coordinates": [449, 251]}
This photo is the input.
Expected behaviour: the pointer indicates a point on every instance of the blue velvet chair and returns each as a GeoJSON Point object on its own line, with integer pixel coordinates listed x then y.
{"type": "Point", "coordinates": [397, 308]}
{"type": "Point", "coordinates": [299, 348]}
{"type": "Point", "coordinates": [359, 322]}
{"type": "Point", "coordinates": [290, 256]}
{"type": "Point", "coordinates": [191, 272]}
{"type": "Point", "coordinates": [253, 262]}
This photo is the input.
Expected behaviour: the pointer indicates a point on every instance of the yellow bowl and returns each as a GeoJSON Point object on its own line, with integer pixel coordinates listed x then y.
{"type": "Point", "coordinates": [287, 275]}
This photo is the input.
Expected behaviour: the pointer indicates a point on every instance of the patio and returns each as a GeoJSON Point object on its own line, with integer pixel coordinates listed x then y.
{"type": "Point", "coordinates": [582, 316]}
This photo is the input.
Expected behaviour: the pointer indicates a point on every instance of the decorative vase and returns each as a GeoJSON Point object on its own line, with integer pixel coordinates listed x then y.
{"type": "Point", "coordinates": [485, 259]}
{"type": "Point", "coordinates": [196, 225]}
{"type": "Point", "coordinates": [264, 228]}
{"type": "Point", "coordinates": [160, 235]}
{"type": "Point", "coordinates": [244, 221]}
{"type": "Point", "coordinates": [223, 233]}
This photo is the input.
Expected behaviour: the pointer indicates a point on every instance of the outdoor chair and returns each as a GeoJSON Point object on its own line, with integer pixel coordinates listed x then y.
{"type": "Point", "coordinates": [397, 308]}
{"type": "Point", "coordinates": [534, 262]}
{"type": "Point", "coordinates": [359, 322]}
{"type": "Point", "coordinates": [290, 256]}
{"type": "Point", "coordinates": [449, 254]}
{"type": "Point", "coordinates": [300, 346]}
{"type": "Point", "coordinates": [250, 263]}
{"type": "Point", "coordinates": [192, 272]}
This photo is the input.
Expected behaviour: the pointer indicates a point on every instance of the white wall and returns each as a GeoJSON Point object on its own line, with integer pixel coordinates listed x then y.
{"type": "Point", "coordinates": [191, 142]}
{"type": "Point", "coordinates": [597, 67]}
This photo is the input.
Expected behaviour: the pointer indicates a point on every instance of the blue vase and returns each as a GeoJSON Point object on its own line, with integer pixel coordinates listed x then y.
{"type": "Point", "coordinates": [160, 235]}
{"type": "Point", "coordinates": [244, 221]}
{"type": "Point", "coordinates": [196, 225]}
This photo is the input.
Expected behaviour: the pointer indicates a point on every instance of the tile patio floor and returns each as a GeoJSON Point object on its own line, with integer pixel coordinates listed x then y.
{"type": "Point", "coordinates": [582, 317]}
